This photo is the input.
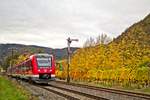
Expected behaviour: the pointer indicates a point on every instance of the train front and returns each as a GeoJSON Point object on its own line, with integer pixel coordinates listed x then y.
{"type": "Point", "coordinates": [43, 67]}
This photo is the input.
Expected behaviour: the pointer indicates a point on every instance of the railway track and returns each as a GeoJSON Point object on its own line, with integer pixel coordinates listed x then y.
{"type": "Point", "coordinates": [71, 94]}
{"type": "Point", "coordinates": [105, 93]}
{"type": "Point", "coordinates": [59, 93]}
{"type": "Point", "coordinates": [73, 91]}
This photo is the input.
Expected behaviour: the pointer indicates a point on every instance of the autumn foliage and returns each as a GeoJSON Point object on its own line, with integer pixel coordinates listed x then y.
{"type": "Point", "coordinates": [123, 62]}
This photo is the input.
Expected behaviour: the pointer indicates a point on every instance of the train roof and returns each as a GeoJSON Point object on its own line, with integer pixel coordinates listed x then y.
{"type": "Point", "coordinates": [41, 55]}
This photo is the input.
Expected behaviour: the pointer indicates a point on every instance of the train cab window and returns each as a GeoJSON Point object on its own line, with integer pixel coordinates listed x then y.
{"type": "Point", "coordinates": [44, 61]}
{"type": "Point", "coordinates": [24, 67]}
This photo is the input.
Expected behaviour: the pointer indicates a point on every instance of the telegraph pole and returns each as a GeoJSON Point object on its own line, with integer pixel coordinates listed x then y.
{"type": "Point", "coordinates": [69, 52]}
{"type": "Point", "coordinates": [12, 54]}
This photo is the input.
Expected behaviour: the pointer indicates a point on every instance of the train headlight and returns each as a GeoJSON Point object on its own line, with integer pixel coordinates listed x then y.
{"type": "Point", "coordinates": [45, 70]}
{"type": "Point", "coordinates": [39, 70]}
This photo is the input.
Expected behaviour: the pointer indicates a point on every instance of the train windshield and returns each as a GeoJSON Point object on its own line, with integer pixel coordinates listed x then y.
{"type": "Point", "coordinates": [44, 61]}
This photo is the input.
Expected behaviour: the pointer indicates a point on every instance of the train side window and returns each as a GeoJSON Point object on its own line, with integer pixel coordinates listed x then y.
{"type": "Point", "coordinates": [27, 67]}
{"type": "Point", "coordinates": [30, 65]}
{"type": "Point", "coordinates": [24, 66]}
{"type": "Point", "coordinates": [21, 67]}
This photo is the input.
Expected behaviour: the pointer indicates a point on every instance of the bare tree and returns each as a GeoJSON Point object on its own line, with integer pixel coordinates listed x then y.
{"type": "Point", "coordinates": [89, 42]}
{"type": "Point", "coordinates": [103, 39]}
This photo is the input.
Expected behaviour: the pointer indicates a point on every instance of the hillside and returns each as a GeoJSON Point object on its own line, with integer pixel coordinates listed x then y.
{"type": "Point", "coordinates": [139, 32]}
{"type": "Point", "coordinates": [5, 50]}
{"type": "Point", "coordinates": [133, 45]}
{"type": "Point", "coordinates": [123, 62]}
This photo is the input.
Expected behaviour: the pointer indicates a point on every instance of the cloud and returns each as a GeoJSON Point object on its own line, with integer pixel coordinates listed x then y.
{"type": "Point", "coordinates": [51, 22]}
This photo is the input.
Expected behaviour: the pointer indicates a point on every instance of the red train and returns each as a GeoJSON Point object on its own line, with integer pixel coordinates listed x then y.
{"type": "Point", "coordinates": [37, 68]}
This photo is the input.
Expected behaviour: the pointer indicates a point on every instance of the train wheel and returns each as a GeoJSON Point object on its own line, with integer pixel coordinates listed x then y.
{"type": "Point", "coordinates": [30, 81]}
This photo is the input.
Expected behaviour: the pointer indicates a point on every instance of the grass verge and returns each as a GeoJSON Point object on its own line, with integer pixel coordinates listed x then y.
{"type": "Point", "coordinates": [12, 91]}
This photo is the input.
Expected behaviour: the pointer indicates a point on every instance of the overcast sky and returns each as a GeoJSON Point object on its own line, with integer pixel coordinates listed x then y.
{"type": "Point", "coordinates": [50, 22]}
